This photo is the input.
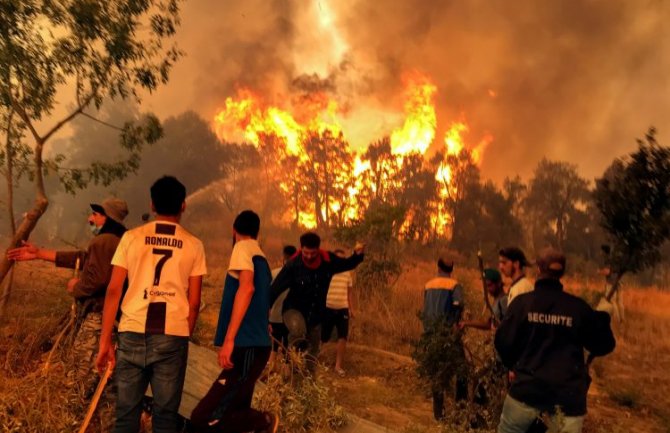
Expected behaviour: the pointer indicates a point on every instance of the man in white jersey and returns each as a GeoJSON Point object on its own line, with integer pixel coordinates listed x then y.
{"type": "Point", "coordinates": [512, 264]}
{"type": "Point", "coordinates": [338, 312]}
{"type": "Point", "coordinates": [164, 265]}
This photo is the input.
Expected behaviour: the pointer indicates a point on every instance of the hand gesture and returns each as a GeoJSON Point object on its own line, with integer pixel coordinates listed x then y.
{"type": "Point", "coordinates": [225, 355]}
{"type": "Point", "coordinates": [359, 248]}
{"type": "Point", "coordinates": [106, 356]}
{"type": "Point", "coordinates": [27, 251]}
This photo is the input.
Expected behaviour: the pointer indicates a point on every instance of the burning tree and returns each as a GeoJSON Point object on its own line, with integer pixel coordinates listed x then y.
{"type": "Point", "coordinates": [101, 49]}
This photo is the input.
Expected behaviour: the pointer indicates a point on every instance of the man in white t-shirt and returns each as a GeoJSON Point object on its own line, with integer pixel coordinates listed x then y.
{"type": "Point", "coordinates": [338, 312]}
{"type": "Point", "coordinates": [164, 265]}
{"type": "Point", "coordinates": [512, 264]}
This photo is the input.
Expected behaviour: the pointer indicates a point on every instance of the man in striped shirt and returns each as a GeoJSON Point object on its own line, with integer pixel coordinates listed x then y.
{"type": "Point", "coordinates": [338, 312]}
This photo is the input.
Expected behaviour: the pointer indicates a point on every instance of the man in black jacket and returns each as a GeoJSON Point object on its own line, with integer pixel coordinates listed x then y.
{"type": "Point", "coordinates": [542, 340]}
{"type": "Point", "coordinates": [308, 276]}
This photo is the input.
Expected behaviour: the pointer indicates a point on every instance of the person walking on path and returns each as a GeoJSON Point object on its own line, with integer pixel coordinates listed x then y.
{"type": "Point", "coordinates": [164, 265]}
{"type": "Point", "coordinates": [242, 333]}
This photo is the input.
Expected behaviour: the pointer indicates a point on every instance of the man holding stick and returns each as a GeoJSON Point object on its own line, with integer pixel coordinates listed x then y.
{"type": "Point", "coordinates": [164, 265]}
{"type": "Point", "coordinates": [88, 289]}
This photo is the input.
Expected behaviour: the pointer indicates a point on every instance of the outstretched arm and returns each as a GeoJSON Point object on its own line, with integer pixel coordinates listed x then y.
{"type": "Point", "coordinates": [347, 264]}
{"type": "Point", "coordinates": [281, 283]}
{"type": "Point", "coordinates": [29, 251]}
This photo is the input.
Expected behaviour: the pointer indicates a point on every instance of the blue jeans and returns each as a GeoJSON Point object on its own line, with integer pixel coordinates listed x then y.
{"type": "Point", "coordinates": [517, 417]}
{"type": "Point", "coordinates": [159, 360]}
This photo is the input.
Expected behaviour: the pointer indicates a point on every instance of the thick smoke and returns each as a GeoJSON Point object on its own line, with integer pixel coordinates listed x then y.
{"type": "Point", "coordinates": [575, 80]}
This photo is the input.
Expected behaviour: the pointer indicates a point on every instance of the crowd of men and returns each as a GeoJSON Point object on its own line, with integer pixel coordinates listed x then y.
{"type": "Point", "coordinates": [541, 335]}
{"type": "Point", "coordinates": [148, 280]}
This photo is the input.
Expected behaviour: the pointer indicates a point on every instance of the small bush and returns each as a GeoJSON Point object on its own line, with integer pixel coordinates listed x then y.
{"type": "Point", "coordinates": [303, 403]}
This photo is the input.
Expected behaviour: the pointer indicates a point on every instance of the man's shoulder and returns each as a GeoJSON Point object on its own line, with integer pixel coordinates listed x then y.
{"type": "Point", "coordinates": [103, 240]}
{"type": "Point", "coordinates": [444, 283]}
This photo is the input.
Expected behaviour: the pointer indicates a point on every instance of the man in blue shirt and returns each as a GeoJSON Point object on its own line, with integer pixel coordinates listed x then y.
{"type": "Point", "coordinates": [243, 335]}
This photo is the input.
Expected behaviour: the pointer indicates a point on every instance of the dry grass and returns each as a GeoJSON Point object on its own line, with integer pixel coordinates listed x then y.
{"type": "Point", "coordinates": [629, 391]}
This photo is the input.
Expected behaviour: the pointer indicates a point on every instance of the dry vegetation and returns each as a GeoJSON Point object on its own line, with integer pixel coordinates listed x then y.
{"type": "Point", "coordinates": [629, 393]}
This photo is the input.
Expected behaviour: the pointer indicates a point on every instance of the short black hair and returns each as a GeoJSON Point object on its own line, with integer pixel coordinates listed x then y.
{"type": "Point", "coordinates": [310, 240]}
{"type": "Point", "coordinates": [514, 254]}
{"type": "Point", "coordinates": [168, 195]}
{"type": "Point", "coordinates": [247, 223]}
{"type": "Point", "coordinates": [446, 266]}
{"type": "Point", "coordinates": [289, 251]}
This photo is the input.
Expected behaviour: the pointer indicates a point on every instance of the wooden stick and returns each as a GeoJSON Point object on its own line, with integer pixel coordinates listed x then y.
{"type": "Point", "coordinates": [96, 398]}
{"type": "Point", "coordinates": [68, 326]}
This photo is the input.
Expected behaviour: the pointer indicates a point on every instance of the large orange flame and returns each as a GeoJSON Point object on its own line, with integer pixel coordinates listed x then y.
{"type": "Point", "coordinates": [247, 117]}
{"type": "Point", "coordinates": [418, 130]}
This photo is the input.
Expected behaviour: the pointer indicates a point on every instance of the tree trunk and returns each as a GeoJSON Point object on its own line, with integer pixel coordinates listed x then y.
{"type": "Point", "coordinates": [29, 221]}
{"type": "Point", "coordinates": [614, 287]}
{"type": "Point", "coordinates": [22, 233]}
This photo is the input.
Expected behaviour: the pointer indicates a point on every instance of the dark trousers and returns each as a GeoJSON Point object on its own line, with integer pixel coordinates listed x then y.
{"type": "Point", "coordinates": [226, 408]}
{"type": "Point", "coordinates": [438, 397]}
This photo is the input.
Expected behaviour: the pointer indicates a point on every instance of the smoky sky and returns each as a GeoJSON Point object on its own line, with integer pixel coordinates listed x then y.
{"type": "Point", "coordinates": [570, 80]}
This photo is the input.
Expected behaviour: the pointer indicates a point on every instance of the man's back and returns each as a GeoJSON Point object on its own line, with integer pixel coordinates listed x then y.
{"type": "Point", "coordinates": [160, 257]}
{"type": "Point", "coordinates": [543, 337]}
{"type": "Point", "coordinates": [443, 297]}
{"type": "Point", "coordinates": [253, 332]}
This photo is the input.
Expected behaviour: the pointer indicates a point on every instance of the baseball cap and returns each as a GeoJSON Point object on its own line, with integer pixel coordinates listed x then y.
{"type": "Point", "coordinates": [492, 275]}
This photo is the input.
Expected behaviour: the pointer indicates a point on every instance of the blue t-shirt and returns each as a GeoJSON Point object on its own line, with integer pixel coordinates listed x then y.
{"type": "Point", "coordinates": [247, 256]}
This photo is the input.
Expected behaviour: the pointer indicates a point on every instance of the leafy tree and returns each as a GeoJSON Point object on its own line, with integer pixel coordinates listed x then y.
{"type": "Point", "coordinates": [633, 197]}
{"type": "Point", "coordinates": [555, 194]}
{"type": "Point", "coordinates": [187, 143]}
{"type": "Point", "coordinates": [101, 49]}
{"type": "Point", "coordinates": [379, 228]}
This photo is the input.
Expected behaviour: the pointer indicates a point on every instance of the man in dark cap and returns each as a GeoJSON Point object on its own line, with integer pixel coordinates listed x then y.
{"type": "Point", "coordinates": [444, 300]}
{"type": "Point", "coordinates": [106, 224]}
{"type": "Point", "coordinates": [512, 263]}
{"type": "Point", "coordinates": [542, 339]}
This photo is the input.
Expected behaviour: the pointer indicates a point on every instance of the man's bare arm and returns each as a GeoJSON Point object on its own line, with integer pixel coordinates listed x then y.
{"type": "Point", "coordinates": [194, 292]}
{"type": "Point", "coordinates": [240, 305]}
{"type": "Point", "coordinates": [111, 307]}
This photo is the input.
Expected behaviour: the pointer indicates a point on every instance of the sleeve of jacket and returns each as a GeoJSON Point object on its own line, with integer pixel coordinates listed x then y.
{"type": "Point", "coordinates": [68, 259]}
{"type": "Point", "coordinates": [339, 264]}
{"type": "Point", "coordinates": [97, 268]}
{"type": "Point", "coordinates": [509, 340]}
{"type": "Point", "coordinates": [598, 337]}
{"type": "Point", "coordinates": [281, 283]}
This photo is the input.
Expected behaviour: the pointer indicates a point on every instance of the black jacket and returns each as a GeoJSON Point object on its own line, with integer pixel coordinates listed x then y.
{"type": "Point", "coordinates": [309, 287]}
{"type": "Point", "coordinates": [542, 339]}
